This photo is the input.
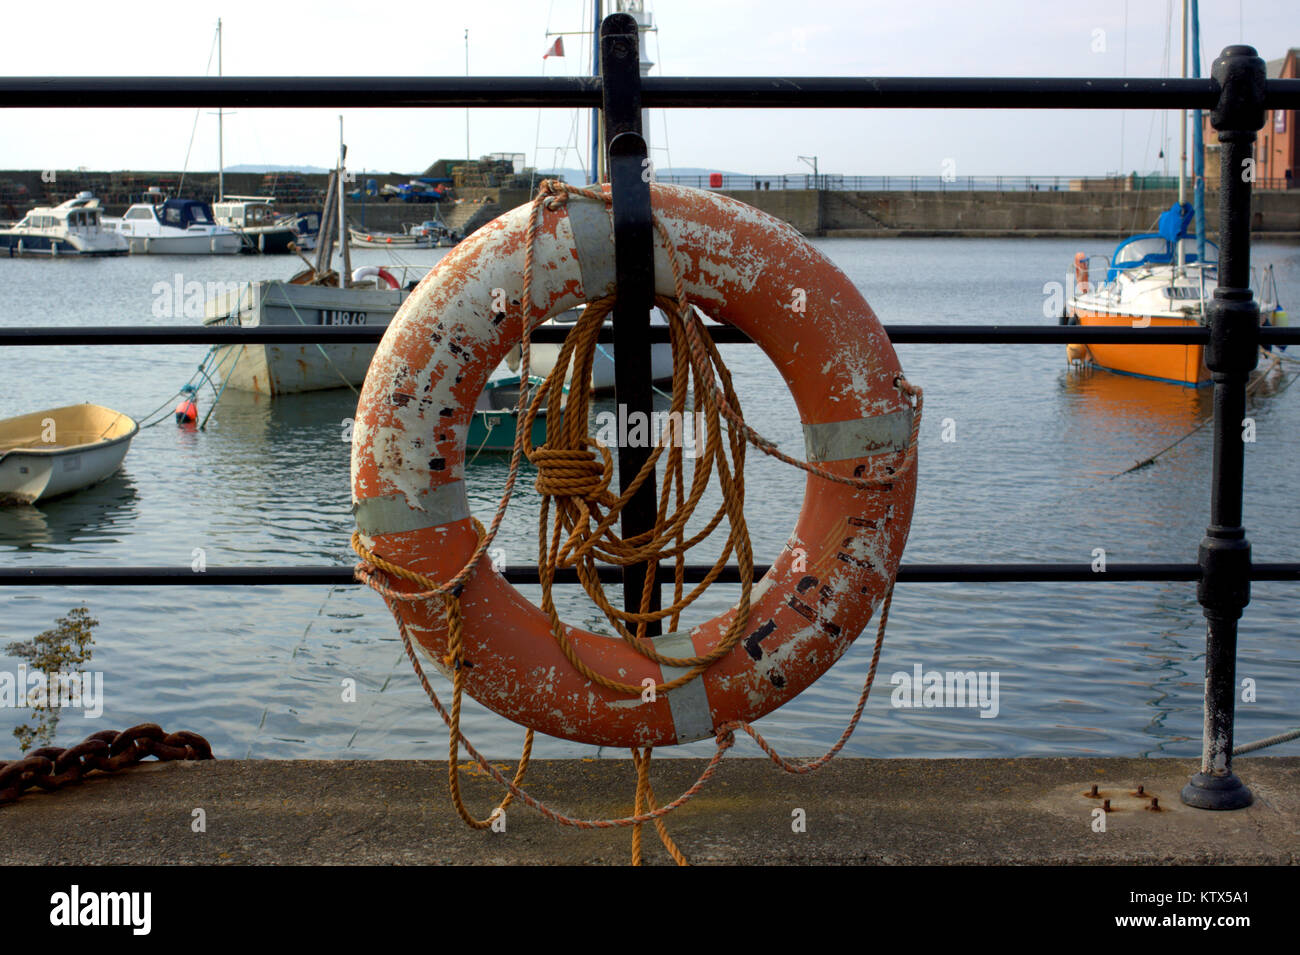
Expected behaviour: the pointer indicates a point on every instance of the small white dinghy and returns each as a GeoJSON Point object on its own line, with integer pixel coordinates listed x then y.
{"type": "Point", "coordinates": [49, 453]}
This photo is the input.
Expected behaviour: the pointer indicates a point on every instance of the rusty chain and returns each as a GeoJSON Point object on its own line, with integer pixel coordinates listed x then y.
{"type": "Point", "coordinates": [108, 751]}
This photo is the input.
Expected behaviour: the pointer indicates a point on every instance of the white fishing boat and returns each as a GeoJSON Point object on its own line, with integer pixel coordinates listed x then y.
{"type": "Point", "coordinates": [372, 296]}
{"type": "Point", "coordinates": [256, 220]}
{"type": "Point", "coordinates": [48, 453]}
{"type": "Point", "coordinates": [388, 240]}
{"type": "Point", "coordinates": [286, 369]}
{"type": "Point", "coordinates": [75, 227]}
{"type": "Point", "coordinates": [175, 227]}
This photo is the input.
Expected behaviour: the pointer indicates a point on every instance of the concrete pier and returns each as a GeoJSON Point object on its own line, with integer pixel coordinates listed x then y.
{"type": "Point", "coordinates": [889, 811]}
{"type": "Point", "coordinates": [1015, 214]}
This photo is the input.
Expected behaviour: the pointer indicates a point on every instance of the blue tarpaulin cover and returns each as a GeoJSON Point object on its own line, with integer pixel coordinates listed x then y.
{"type": "Point", "coordinates": [1174, 221]}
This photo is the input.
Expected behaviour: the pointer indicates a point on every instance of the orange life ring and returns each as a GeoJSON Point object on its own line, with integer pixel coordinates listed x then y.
{"type": "Point", "coordinates": [741, 265]}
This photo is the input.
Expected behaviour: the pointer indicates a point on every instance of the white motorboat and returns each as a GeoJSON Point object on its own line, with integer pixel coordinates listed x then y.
{"type": "Point", "coordinates": [175, 227]}
{"type": "Point", "coordinates": [48, 453]}
{"type": "Point", "coordinates": [75, 227]}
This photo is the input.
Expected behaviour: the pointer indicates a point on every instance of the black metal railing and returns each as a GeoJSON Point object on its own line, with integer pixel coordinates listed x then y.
{"type": "Point", "coordinates": [1236, 94]}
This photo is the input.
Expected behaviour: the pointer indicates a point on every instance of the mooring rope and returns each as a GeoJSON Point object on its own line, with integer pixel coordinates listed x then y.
{"type": "Point", "coordinates": [574, 474]}
{"type": "Point", "coordinates": [1286, 737]}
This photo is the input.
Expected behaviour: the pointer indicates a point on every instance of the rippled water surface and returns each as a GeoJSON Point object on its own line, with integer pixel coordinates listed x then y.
{"type": "Point", "coordinates": [1032, 475]}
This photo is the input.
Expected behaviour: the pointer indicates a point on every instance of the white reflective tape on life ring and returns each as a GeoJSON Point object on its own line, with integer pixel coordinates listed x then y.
{"type": "Point", "coordinates": [392, 513]}
{"type": "Point", "coordinates": [593, 237]}
{"type": "Point", "coordinates": [845, 440]}
{"type": "Point", "coordinates": [689, 704]}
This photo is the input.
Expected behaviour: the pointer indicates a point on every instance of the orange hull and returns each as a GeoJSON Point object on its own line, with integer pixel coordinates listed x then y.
{"type": "Point", "coordinates": [1181, 364]}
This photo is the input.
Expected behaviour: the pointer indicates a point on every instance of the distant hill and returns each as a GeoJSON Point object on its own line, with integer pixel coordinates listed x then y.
{"type": "Point", "coordinates": [273, 168]}
{"type": "Point", "coordinates": [577, 176]}
{"type": "Point", "coordinates": [695, 171]}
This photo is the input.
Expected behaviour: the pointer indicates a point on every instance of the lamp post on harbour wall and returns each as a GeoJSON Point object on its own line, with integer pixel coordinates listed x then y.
{"type": "Point", "coordinates": [812, 161]}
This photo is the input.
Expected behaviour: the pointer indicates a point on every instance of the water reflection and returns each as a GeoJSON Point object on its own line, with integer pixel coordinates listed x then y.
{"type": "Point", "coordinates": [283, 463]}
{"type": "Point", "coordinates": [1087, 668]}
{"type": "Point", "coordinates": [96, 515]}
{"type": "Point", "coordinates": [309, 418]}
{"type": "Point", "coordinates": [1122, 413]}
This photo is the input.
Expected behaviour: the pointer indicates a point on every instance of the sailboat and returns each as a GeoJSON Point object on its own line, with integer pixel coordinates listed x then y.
{"type": "Point", "coordinates": [1160, 279]}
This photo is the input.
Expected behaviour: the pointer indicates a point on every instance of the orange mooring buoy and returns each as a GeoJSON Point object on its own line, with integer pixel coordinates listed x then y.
{"type": "Point", "coordinates": [187, 412]}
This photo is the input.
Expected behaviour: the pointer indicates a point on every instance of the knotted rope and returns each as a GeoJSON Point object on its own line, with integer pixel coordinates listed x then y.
{"type": "Point", "coordinates": [579, 513]}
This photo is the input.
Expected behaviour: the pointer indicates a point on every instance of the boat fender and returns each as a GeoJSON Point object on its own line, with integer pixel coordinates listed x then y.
{"type": "Point", "coordinates": [411, 503]}
{"type": "Point", "coordinates": [1080, 273]}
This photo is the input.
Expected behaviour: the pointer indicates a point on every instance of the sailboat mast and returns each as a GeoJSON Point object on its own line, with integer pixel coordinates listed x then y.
{"type": "Point", "coordinates": [468, 157]}
{"type": "Point", "coordinates": [1198, 142]}
{"type": "Point", "coordinates": [221, 139]}
{"type": "Point", "coordinates": [1182, 140]}
{"type": "Point", "coordinates": [346, 275]}
{"type": "Point", "coordinates": [597, 154]}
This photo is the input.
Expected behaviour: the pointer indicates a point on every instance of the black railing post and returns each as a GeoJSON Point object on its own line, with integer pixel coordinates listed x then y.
{"type": "Point", "coordinates": [1224, 587]}
{"type": "Point", "coordinates": [629, 183]}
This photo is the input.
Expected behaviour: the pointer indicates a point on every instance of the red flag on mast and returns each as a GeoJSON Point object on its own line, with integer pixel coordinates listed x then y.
{"type": "Point", "coordinates": [555, 49]}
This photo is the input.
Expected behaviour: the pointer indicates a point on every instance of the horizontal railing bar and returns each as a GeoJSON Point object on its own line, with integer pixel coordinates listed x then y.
{"type": "Point", "coordinates": [565, 92]}
{"type": "Point", "coordinates": [723, 334]}
{"type": "Point", "coordinates": [1065, 334]}
{"type": "Point", "coordinates": [252, 575]}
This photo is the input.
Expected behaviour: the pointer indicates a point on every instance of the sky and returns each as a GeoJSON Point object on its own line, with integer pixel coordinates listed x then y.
{"type": "Point", "coordinates": [696, 37]}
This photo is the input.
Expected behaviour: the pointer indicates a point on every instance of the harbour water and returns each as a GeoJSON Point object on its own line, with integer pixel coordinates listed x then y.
{"type": "Point", "coordinates": [1032, 472]}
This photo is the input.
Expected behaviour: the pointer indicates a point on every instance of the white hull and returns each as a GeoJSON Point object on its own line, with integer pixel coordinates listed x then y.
{"type": "Point", "coordinates": [34, 472]}
{"type": "Point", "coordinates": [384, 241]}
{"type": "Point", "coordinates": [1156, 293]}
{"type": "Point", "coordinates": [223, 244]}
{"type": "Point", "coordinates": [74, 227]}
{"type": "Point", "coordinates": [18, 243]}
{"type": "Point", "coordinates": [288, 369]}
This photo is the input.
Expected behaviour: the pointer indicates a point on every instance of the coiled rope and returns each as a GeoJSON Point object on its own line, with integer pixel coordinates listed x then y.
{"type": "Point", "coordinates": [576, 529]}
